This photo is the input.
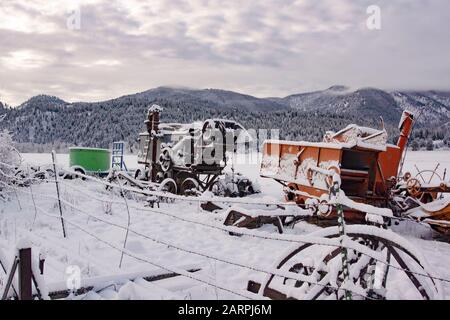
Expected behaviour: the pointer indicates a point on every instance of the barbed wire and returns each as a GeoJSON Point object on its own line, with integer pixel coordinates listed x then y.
{"type": "Point", "coordinates": [142, 259]}
{"type": "Point", "coordinates": [288, 275]}
{"type": "Point", "coordinates": [236, 230]}
{"type": "Point", "coordinates": [271, 238]}
{"type": "Point", "coordinates": [306, 239]}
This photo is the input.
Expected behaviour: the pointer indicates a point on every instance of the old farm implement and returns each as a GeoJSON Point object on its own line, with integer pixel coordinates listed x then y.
{"type": "Point", "coordinates": [353, 175]}
{"type": "Point", "coordinates": [188, 159]}
{"type": "Point", "coordinates": [372, 257]}
{"type": "Point", "coordinates": [368, 171]}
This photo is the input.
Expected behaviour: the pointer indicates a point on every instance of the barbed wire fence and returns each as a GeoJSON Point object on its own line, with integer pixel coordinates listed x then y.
{"type": "Point", "coordinates": [197, 252]}
{"type": "Point", "coordinates": [256, 234]}
{"type": "Point", "coordinates": [234, 230]}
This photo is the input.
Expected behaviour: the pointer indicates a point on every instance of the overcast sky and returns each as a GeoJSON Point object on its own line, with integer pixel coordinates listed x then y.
{"type": "Point", "coordinates": [91, 50]}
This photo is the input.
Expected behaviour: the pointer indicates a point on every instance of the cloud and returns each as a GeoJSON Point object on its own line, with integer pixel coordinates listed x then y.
{"type": "Point", "coordinates": [267, 47]}
{"type": "Point", "coordinates": [24, 59]}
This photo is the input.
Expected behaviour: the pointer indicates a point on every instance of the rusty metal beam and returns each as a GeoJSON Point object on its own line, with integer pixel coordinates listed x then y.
{"type": "Point", "coordinates": [10, 279]}
{"type": "Point", "coordinates": [254, 287]}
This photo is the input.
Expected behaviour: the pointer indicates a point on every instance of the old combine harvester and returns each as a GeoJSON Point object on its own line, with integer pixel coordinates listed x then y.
{"type": "Point", "coordinates": [353, 175]}
{"type": "Point", "coordinates": [368, 170]}
{"type": "Point", "coordinates": [188, 159]}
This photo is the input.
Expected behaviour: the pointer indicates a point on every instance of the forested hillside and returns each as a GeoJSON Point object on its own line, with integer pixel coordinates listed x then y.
{"type": "Point", "coordinates": [46, 122]}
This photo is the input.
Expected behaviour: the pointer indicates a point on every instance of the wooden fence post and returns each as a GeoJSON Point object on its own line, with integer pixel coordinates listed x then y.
{"type": "Point", "coordinates": [25, 275]}
{"type": "Point", "coordinates": [41, 263]}
{"type": "Point", "coordinates": [23, 265]}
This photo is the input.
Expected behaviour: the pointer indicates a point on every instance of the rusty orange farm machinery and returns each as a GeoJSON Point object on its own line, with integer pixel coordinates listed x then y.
{"type": "Point", "coordinates": [368, 170]}
{"type": "Point", "coordinates": [353, 176]}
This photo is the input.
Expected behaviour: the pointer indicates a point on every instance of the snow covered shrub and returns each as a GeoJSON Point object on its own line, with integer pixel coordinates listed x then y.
{"type": "Point", "coordinates": [70, 200]}
{"type": "Point", "coordinates": [9, 159]}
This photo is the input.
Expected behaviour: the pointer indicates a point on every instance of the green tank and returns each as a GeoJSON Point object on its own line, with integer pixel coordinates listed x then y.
{"type": "Point", "coordinates": [92, 160]}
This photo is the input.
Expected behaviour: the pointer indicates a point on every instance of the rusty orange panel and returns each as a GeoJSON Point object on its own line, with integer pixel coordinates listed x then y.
{"type": "Point", "coordinates": [330, 155]}
{"type": "Point", "coordinates": [289, 149]}
{"type": "Point", "coordinates": [310, 152]}
{"type": "Point", "coordinates": [268, 148]}
{"type": "Point", "coordinates": [389, 162]}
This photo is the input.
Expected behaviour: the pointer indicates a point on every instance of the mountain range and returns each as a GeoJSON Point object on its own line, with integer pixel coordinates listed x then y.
{"type": "Point", "coordinates": [44, 122]}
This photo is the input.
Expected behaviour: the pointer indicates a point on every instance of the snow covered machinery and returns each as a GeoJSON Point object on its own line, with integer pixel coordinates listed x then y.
{"type": "Point", "coordinates": [367, 169]}
{"type": "Point", "coordinates": [190, 158]}
{"type": "Point", "coordinates": [373, 258]}
{"type": "Point", "coordinates": [354, 174]}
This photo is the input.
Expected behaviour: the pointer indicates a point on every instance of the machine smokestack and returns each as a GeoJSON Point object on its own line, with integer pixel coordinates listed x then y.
{"type": "Point", "coordinates": [405, 128]}
{"type": "Point", "coordinates": [152, 121]}
{"type": "Point", "coordinates": [152, 124]}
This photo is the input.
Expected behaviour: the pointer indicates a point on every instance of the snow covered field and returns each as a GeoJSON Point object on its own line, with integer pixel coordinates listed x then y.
{"type": "Point", "coordinates": [90, 241]}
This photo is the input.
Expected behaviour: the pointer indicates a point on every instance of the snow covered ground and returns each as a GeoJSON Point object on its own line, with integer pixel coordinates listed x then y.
{"type": "Point", "coordinates": [90, 241]}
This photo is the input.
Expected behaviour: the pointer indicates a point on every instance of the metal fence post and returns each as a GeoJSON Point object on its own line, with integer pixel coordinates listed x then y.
{"type": "Point", "coordinates": [128, 222]}
{"type": "Point", "coordinates": [341, 222]}
{"type": "Point", "coordinates": [57, 191]}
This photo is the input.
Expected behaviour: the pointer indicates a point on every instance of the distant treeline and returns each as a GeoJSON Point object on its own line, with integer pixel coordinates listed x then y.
{"type": "Point", "coordinates": [48, 126]}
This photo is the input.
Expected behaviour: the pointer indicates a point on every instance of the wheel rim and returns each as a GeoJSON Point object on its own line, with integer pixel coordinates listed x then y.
{"type": "Point", "coordinates": [427, 177]}
{"type": "Point", "coordinates": [165, 160]}
{"type": "Point", "coordinates": [189, 187]}
{"type": "Point", "coordinates": [218, 189]}
{"type": "Point", "coordinates": [168, 185]}
{"type": "Point", "coordinates": [316, 271]}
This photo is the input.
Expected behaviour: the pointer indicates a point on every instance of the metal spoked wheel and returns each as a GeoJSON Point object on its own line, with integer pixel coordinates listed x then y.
{"type": "Point", "coordinates": [190, 187]}
{"type": "Point", "coordinates": [168, 185]}
{"type": "Point", "coordinates": [208, 133]}
{"type": "Point", "coordinates": [218, 189]}
{"type": "Point", "coordinates": [386, 257]}
{"type": "Point", "coordinates": [141, 174]}
{"type": "Point", "coordinates": [165, 160]}
{"type": "Point", "coordinates": [324, 209]}
{"type": "Point", "coordinates": [80, 174]}
{"type": "Point", "coordinates": [426, 177]}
